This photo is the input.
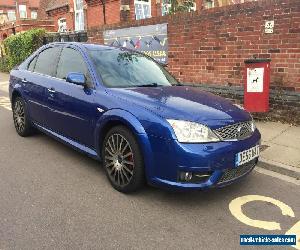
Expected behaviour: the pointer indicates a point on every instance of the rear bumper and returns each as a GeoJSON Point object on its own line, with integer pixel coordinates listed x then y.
{"type": "Point", "coordinates": [218, 159]}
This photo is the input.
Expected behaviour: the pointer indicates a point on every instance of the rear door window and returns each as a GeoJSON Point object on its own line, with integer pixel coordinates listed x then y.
{"type": "Point", "coordinates": [47, 61]}
{"type": "Point", "coordinates": [32, 64]}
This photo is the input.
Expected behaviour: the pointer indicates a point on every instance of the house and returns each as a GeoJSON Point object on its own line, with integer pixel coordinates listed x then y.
{"type": "Point", "coordinates": [77, 15]}
{"type": "Point", "coordinates": [14, 10]}
{"type": "Point", "coordinates": [20, 15]}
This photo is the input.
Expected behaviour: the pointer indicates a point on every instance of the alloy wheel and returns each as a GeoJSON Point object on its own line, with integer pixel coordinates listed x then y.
{"type": "Point", "coordinates": [19, 116]}
{"type": "Point", "coordinates": [119, 160]}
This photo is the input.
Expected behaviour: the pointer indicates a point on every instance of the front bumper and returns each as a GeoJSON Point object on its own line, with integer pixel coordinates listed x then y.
{"type": "Point", "coordinates": [218, 159]}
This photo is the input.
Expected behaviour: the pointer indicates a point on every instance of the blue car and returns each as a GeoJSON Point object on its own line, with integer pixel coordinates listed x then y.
{"type": "Point", "coordinates": [124, 109]}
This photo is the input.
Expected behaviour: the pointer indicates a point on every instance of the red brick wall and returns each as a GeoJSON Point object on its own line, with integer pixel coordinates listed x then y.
{"type": "Point", "coordinates": [211, 46]}
{"type": "Point", "coordinates": [95, 13]}
{"type": "Point", "coordinates": [23, 25]}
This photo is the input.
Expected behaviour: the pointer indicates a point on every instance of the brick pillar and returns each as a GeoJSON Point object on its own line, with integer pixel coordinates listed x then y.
{"type": "Point", "coordinates": [216, 3]}
{"type": "Point", "coordinates": [125, 10]}
{"type": "Point", "coordinates": [158, 7]}
{"type": "Point", "coordinates": [199, 5]}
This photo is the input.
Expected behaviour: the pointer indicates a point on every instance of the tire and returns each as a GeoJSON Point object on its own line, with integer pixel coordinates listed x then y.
{"type": "Point", "coordinates": [123, 160]}
{"type": "Point", "coordinates": [20, 117]}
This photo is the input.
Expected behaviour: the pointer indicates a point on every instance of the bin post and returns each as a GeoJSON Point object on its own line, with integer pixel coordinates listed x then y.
{"type": "Point", "coordinates": [257, 85]}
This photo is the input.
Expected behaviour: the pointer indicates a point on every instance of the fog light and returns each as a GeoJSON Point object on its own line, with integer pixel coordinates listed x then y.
{"type": "Point", "coordinates": [186, 176]}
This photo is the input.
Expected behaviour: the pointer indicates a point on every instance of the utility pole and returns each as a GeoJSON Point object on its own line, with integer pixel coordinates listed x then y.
{"type": "Point", "coordinates": [17, 9]}
{"type": "Point", "coordinates": [104, 11]}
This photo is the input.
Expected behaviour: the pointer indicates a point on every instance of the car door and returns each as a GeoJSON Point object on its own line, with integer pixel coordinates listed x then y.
{"type": "Point", "coordinates": [35, 78]}
{"type": "Point", "coordinates": [72, 108]}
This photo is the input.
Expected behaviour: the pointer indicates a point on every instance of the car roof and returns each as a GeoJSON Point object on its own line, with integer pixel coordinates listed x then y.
{"type": "Point", "coordinates": [85, 45]}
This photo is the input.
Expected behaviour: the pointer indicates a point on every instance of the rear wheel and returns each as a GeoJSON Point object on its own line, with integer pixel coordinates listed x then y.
{"type": "Point", "coordinates": [123, 160]}
{"type": "Point", "coordinates": [21, 120]}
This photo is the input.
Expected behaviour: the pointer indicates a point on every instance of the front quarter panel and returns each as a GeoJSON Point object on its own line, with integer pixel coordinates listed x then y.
{"type": "Point", "coordinates": [131, 122]}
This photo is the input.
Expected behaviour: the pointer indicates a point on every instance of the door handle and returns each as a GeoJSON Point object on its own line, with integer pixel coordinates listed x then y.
{"type": "Point", "coordinates": [52, 90]}
{"type": "Point", "coordinates": [24, 80]}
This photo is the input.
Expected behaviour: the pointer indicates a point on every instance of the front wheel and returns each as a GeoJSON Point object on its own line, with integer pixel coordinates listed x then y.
{"type": "Point", "coordinates": [123, 160]}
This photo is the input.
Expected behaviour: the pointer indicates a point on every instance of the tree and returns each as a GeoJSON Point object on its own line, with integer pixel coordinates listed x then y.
{"type": "Point", "coordinates": [181, 6]}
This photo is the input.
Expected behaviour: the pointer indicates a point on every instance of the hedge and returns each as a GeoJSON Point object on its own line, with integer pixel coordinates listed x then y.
{"type": "Point", "coordinates": [20, 46]}
{"type": "Point", "coordinates": [4, 64]}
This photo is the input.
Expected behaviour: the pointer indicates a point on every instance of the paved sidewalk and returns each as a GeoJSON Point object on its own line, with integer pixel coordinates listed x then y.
{"type": "Point", "coordinates": [280, 145]}
{"type": "Point", "coordinates": [4, 82]}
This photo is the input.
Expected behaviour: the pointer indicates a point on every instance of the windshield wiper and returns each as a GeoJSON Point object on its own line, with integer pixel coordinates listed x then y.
{"type": "Point", "coordinates": [154, 84]}
{"type": "Point", "coordinates": [177, 84]}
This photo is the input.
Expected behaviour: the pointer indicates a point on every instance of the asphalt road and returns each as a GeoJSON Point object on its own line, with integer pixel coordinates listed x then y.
{"type": "Point", "coordinates": [52, 197]}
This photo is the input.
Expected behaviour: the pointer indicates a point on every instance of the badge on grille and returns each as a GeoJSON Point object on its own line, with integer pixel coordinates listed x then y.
{"type": "Point", "coordinates": [241, 131]}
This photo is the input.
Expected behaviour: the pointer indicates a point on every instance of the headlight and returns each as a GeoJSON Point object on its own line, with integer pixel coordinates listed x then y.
{"type": "Point", "coordinates": [239, 106]}
{"type": "Point", "coordinates": [253, 126]}
{"type": "Point", "coordinates": [192, 132]}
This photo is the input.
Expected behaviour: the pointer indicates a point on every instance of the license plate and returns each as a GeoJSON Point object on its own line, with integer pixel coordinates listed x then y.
{"type": "Point", "coordinates": [246, 155]}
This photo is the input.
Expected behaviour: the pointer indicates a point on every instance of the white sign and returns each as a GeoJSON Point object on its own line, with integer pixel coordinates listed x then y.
{"type": "Point", "coordinates": [269, 27]}
{"type": "Point", "coordinates": [255, 79]}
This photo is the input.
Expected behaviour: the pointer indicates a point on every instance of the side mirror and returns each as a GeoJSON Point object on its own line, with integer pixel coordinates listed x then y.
{"type": "Point", "coordinates": [76, 78]}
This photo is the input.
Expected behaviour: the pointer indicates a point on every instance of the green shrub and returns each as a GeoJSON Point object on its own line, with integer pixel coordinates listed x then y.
{"type": "Point", "coordinates": [20, 46]}
{"type": "Point", "coordinates": [4, 64]}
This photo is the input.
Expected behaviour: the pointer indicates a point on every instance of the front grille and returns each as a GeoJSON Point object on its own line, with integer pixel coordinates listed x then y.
{"type": "Point", "coordinates": [233, 173]}
{"type": "Point", "coordinates": [237, 131]}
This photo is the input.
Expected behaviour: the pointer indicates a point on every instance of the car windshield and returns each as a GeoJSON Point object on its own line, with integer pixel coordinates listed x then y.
{"type": "Point", "coordinates": [120, 68]}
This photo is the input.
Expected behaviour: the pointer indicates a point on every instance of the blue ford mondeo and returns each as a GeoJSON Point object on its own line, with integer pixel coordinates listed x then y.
{"type": "Point", "coordinates": [124, 109]}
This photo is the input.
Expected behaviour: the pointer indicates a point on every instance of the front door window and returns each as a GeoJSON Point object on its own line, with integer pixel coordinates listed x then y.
{"type": "Point", "coordinates": [79, 15]}
{"type": "Point", "coordinates": [22, 11]}
{"type": "Point", "coordinates": [165, 7]}
{"type": "Point", "coordinates": [142, 9]}
{"type": "Point", "coordinates": [62, 25]}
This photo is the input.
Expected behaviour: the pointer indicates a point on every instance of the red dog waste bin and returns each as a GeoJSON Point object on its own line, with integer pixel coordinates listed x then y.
{"type": "Point", "coordinates": [257, 84]}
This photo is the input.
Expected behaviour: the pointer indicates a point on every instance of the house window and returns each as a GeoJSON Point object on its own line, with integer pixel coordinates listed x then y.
{"type": "Point", "coordinates": [33, 14]}
{"type": "Point", "coordinates": [62, 25]}
{"type": "Point", "coordinates": [11, 15]}
{"type": "Point", "coordinates": [209, 4]}
{"type": "Point", "coordinates": [22, 11]}
{"type": "Point", "coordinates": [165, 7]}
{"type": "Point", "coordinates": [142, 9]}
{"type": "Point", "coordinates": [79, 15]}
{"type": "Point", "coordinates": [193, 8]}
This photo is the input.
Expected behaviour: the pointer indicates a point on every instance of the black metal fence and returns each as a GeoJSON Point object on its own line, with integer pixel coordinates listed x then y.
{"type": "Point", "coordinates": [66, 37]}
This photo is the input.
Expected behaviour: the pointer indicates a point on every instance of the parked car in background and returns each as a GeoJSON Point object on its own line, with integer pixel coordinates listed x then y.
{"type": "Point", "coordinates": [124, 109]}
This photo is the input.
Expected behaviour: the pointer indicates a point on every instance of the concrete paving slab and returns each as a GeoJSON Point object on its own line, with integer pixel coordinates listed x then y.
{"type": "Point", "coordinates": [4, 87]}
{"type": "Point", "coordinates": [270, 130]}
{"type": "Point", "coordinates": [282, 154]}
{"type": "Point", "coordinates": [4, 78]}
{"type": "Point", "coordinates": [289, 138]}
